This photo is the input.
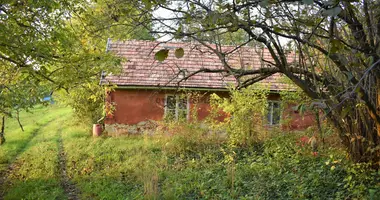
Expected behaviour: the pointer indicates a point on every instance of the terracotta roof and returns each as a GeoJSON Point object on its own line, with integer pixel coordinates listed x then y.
{"type": "Point", "coordinates": [142, 70]}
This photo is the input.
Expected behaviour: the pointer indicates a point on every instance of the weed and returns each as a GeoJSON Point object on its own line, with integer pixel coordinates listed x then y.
{"type": "Point", "coordinates": [180, 161]}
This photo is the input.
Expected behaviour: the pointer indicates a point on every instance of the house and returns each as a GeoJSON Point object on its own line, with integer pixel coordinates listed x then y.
{"type": "Point", "coordinates": [148, 89]}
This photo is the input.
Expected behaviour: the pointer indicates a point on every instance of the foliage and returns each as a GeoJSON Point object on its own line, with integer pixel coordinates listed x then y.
{"type": "Point", "coordinates": [295, 101]}
{"type": "Point", "coordinates": [60, 46]}
{"type": "Point", "coordinates": [48, 49]}
{"type": "Point", "coordinates": [87, 101]}
{"type": "Point", "coordinates": [97, 22]}
{"type": "Point", "coordinates": [245, 110]}
{"type": "Point", "coordinates": [186, 139]}
{"type": "Point", "coordinates": [329, 49]}
{"type": "Point", "coordinates": [102, 19]}
{"type": "Point", "coordinates": [184, 162]}
{"type": "Point", "coordinates": [52, 51]}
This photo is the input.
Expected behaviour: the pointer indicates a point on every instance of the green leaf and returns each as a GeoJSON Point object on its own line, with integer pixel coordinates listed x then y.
{"type": "Point", "coordinates": [179, 33]}
{"type": "Point", "coordinates": [161, 55]}
{"type": "Point", "coordinates": [308, 2]}
{"type": "Point", "coordinates": [345, 112]}
{"type": "Point", "coordinates": [179, 53]}
{"type": "Point", "coordinates": [372, 193]}
{"type": "Point", "coordinates": [148, 4]}
{"type": "Point", "coordinates": [357, 90]}
{"type": "Point", "coordinates": [336, 45]}
{"type": "Point", "coordinates": [277, 29]}
{"type": "Point", "coordinates": [310, 23]}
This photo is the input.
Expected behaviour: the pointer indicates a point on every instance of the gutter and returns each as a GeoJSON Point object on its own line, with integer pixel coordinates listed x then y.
{"type": "Point", "coordinates": [126, 87]}
{"type": "Point", "coordinates": [137, 87]}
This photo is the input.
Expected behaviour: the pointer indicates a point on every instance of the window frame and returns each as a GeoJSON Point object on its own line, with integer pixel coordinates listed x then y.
{"type": "Point", "coordinates": [271, 105]}
{"type": "Point", "coordinates": [177, 109]}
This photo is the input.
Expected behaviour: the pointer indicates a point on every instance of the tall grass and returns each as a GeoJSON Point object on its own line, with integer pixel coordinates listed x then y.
{"type": "Point", "coordinates": [184, 161]}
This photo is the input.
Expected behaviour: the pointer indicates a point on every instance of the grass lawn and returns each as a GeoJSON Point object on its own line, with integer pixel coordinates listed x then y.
{"type": "Point", "coordinates": [188, 165]}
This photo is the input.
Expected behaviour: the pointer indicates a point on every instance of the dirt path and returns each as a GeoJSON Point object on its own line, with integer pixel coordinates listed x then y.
{"type": "Point", "coordinates": [13, 164]}
{"type": "Point", "coordinates": [71, 191]}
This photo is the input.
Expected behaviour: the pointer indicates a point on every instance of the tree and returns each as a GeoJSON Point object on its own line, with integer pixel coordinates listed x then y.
{"type": "Point", "coordinates": [337, 44]}
{"type": "Point", "coordinates": [45, 47]}
{"type": "Point", "coordinates": [18, 92]}
{"type": "Point", "coordinates": [97, 22]}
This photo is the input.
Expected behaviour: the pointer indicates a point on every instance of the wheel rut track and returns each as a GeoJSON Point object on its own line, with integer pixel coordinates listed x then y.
{"type": "Point", "coordinates": [68, 186]}
{"type": "Point", "coordinates": [13, 164]}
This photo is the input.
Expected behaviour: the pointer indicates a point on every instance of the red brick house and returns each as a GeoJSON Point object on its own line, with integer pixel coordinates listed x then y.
{"type": "Point", "coordinates": [148, 89]}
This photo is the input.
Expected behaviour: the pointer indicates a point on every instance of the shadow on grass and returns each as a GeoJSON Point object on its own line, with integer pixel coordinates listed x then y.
{"type": "Point", "coordinates": [95, 187]}
{"type": "Point", "coordinates": [21, 148]}
{"type": "Point", "coordinates": [35, 189]}
{"type": "Point", "coordinates": [8, 163]}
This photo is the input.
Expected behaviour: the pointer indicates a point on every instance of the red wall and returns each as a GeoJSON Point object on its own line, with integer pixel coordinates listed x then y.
{"type": "Point", "coordinates": [134, 106]}
{"type": "Point", "coordinates": [297, 121]}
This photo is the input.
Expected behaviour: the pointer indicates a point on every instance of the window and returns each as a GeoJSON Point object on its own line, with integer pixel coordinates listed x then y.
{"type": "Point", "coordinates": [176, 107]}
{"type": "Point", "coordinates": [274, 113]}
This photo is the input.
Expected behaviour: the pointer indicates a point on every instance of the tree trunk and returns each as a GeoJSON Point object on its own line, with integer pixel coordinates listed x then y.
{"type": "Point", "coordinates": [18, 120]}
{"type": "Point", "coordinates": [360, 136]}
{"type": "Point", "coordinates": [378, 106]}
{"type": "Point", "coordinates": [320, 128]}
{"type": "Point", "coordinates": [2, 138]}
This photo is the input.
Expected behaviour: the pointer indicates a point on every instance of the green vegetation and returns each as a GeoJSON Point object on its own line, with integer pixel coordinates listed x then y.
{"type": "Point", "coordinates": [32, 122]}
{"type": "Point", "coordinates": [60, 48]}
{"type": "Point", "coordinates": [181, 161]}
{"type": "Point", "coordinates": [329, 49]}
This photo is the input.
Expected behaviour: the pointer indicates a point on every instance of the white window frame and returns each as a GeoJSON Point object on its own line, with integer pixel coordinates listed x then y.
{"type": "Point", "coordinates": [270, 122]}
{"type": "Point", "coordinates": [177, 98]}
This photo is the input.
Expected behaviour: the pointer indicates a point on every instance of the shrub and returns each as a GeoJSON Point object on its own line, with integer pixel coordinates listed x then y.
{"type": "Point", "coordinates": [88, 102]}
{"type": "Point", "coordinates": [245, 108]}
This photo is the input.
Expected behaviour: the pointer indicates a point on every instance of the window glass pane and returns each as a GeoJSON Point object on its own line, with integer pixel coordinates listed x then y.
{"type": "Point", "coordinates": [182, 114]}
{"type": "Point", "coordinates": [276, 113]}
{"type": "Point", "coordinates": [269, 113]}
{"type": "Point", "coordinates": [182, 104]}
{"type": "Point", "coordinates": [170, 102]}
{"type": "Point", "coordinates": [176, 108]}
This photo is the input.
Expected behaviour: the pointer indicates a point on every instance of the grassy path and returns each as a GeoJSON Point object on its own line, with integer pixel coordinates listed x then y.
{"type": "Point", "coordinates": [33, 159]}
{"type": "Point", "coordinates": [4, 173]}
{"type": "Point", "coordinates": [103, 168]}
{"type": "Point", "coordinates": [17, 141]}
{"type": "Point", "coordinates": [69, 187]}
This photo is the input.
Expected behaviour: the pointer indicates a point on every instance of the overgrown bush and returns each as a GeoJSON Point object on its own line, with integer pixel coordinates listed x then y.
{"type": "Point", "coordinates": [192, 160]}
{"type": "Point", "coordinates": [188, 161]}
{"type": "Point", "coordinates": [88, 102]}
{"type": "Point", "coordinates": [190, 139]}
{"type": "Point", "coordinates": [245, 109]}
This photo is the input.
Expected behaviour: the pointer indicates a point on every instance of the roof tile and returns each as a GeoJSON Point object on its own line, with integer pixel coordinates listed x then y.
{"type": "Point", "coordinates": [141, 69]}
